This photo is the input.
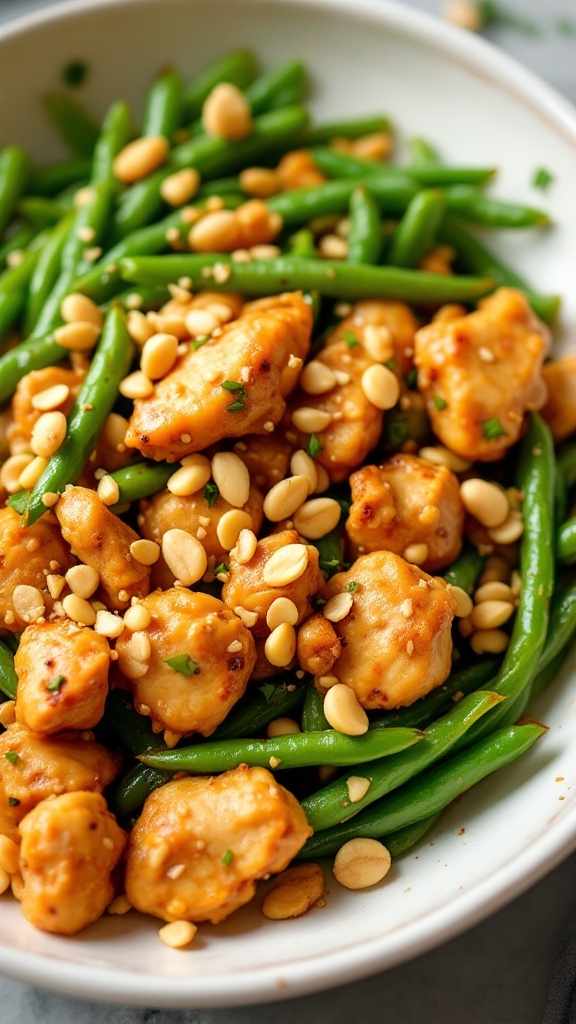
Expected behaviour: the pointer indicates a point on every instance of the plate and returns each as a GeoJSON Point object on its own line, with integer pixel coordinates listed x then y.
{"type": "Point", "coordinates": [478, 106]}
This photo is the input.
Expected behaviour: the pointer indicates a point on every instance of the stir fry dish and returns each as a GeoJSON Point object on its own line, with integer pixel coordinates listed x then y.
{"type": "Point", "coordinates": [285, 481]}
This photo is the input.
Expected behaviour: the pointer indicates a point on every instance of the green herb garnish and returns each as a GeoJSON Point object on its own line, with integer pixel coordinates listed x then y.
{"type": "Point", "coordinates": [440, 403]}
{"type": "Point", "coordinates": [228, 857]}
{"type": "Point", "coordinates": [314, 447]}
{"type": "Point", "coordinates": [211, 494]}
{"type": "Point", "coordinates": [411, 378]}
{"type": "Point", "coordinates": [239, 392]}
{"type": "Point", "coordinates": [221, 568]}
{"type": "Point", "coordinates": [183, 664]}
{"type": "Point", "coordinates": [12, 755]}
{"type": "Point", "coordinates": [268, 690]}
{"type": "Point", "coordinates": [318, 602]}
{"type": "Point", "coordinates": [55, 684]}
{"type": "Point", "coordinates": [351, 339]}
{"type": "Point", "coordinates": [492, 429]}
{"type": "Point", "coordinates": [329, 565]}
{"type": "Point", "coordinates": [352, 587]}
{"type": "Point", "coordinates": [542, 179]}
{"type": "Point", "coordinates": [199, 342]}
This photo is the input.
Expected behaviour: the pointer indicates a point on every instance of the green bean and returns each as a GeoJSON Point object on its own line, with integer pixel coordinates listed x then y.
{"type": "Point", "coordinates": [238, 67]}
{"type": "Point", "coordinates": [50, 180]}
{"type": "Point", "coordinates": [163, 114]}
{"type": "Point", "coordinates": [565, 479]}
{"type": "Point", "coordinates": [476, 259]}
{"type": "Point", "coordinates": [313, 717]}
{"type": "Point", "coordinates": [329, 805]}
{"type": "Point", "coordinates": [131, 791]}
{"type": "Point", "coordinates": [301, 205]}
{"type": "Point", "coordinates": [41, 212]}
{"type": "Point", "coordinates": [422, 152]}
{"type": "Point", "coordinates": [562, 624]}
{"type": "Point", "coordinates": [343, 165]}
{"type": "Point", "coordinates": [549, 673]}
{"type": "Point", "coordinates": [14, 175]}
{"type": "Point", "coordinates": [74, 125]}
{"type": "Point", "coordinates": [46, 272]}
{"type": "Point", "coordinates": [287, 273]}
{"type": "Point", "coordinates": [416, 233]}
{"type": "Point", "coordinates": [221, 187]}
{"type": "Point", "coordinates": [365, 234]}
{"type": "Point", "coordinates": [405, 838]}
{"type": "Point", "coordinates": [11, 306]}
{"type": "Point", "coordinates": [12, 641]}
{"type": "Point", "coordinates": [422, 712]}
{"type": "Point", "coordinates": [116, 131]}
{"type": "Point", "coordinates": [301, 243]}
{"type": "Point", "coordinates": [464, 572]}
{"type": "Point", "coordinates": [566, 542]}
{"type": "Point", "coordinates": [8, 677]}
{"type": "Point", "coordinates": [141, 479]}
{"type": "Point", "coordinates": [212, 157]}
{"type": "Point", "coordinates": [535, 478]}
{"type": "Point", "coordinates": [110, 363]}
{"type": "Point", "coordinates": [430, 792]}
{"type": "Point", "coordinates": [131, 730]}
{"type": "Point", "coordinates": [17, 242]}
{"type": "Point", "coordinates": [294, 750]}
{"type": "Point", "coordinates": [266, 702]}
{"type": "Point", "coordinates": [477, 208]}
{"type": "Point", "coordinates": [265, 90]}
{"type": "Point", "coordinates": [34, 354]}
{"type": "Point", "coordinates": [17, 277]}
{"type": "Point", "coordinates": [352, 129]}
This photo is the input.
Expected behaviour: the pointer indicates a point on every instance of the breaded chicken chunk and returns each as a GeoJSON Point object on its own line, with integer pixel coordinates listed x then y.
{"type": "Point", "coordinates": [27, 555]}
{"type": "Point", "coordinates": [481, 373]}
{"type": "Point", "coordinates": [24, 412]}
{"type": "Point", "coordinates": [70, 846]}
{"type": "Point", "coordinates": [396, 639]}
{"type": "Point", "coordinates": [560, 409]}
{"type": "Point", "coordinates": [190, 408]}
{"type": "Point", "coordinates": [201, 844]}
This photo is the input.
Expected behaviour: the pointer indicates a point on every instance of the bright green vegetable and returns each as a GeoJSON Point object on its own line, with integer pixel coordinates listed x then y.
{"type": "Point", "coordinates": [74, 125]}
{"type": "Point", "coordinates": [431, 175]}
{"type": "Point", "coordinates": [422, 152]}
{"type": "Point", "coordinates": [416, 233]}
{"type": "Point", "coordinates": [263, 93]}
{"type": "Point", "coordinates": [8, 677]}
{"type": "Point", "coordinates": [464, 572]}
{"type": "Point", "coordinates": [14, 176]}
{"type": "Point", "coordinates": [300, 205]}
{"type": "Point", "coordinates": [141, 479]}
{"type": "Point", "coordinates": [365, 234]}
{"type": "Point", "coordinates": [239, 68]}
{"type": "Point", "coordinates": [53, 179]}
{"type": "Point", "coordinates": [17, 242]}
{"type": "Point", "coordinates": [354, 128]}
{"type": "Point", "coordinates": [46, 272]}
{"type": "Point", "coordinates": [566, 542]}
{"type": "Point", "coordinates": [565, 479]}
{"type": "Point", "coordinates": [313, 717]}
{"type": "Point", "coordinates": [163, 114]}
{"type": "Point", "coordinates": [41, 211]}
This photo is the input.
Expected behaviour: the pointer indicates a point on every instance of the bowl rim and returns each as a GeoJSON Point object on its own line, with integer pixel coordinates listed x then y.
{"type": "Point", "coordinates": [482, 899]}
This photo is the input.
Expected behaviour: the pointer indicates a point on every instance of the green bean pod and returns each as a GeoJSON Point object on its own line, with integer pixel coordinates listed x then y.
{"type": "Point", "coordinates": [549, 673]}
{"type": "Point", "coordinates": [566, 542]}
{"type": "Point", "coordinates": [239, 68]}
{"type": "Point", "coordinates": [291, 273]}
{"type": "Point", "coordinates": [142, 479]}
{"type": "Point", "coordinates": [313, 717]}
{"type": "Point", "coordinates": [41, 211]}
{"type": "Point", "coordinates": [431, 175]}
{"type": "Point", "coordinates": [301, 243]}
{"type": "Point", "coordinates": [354, 128]}
{"type": "Point", "coordinates": [8, 677]}
{"type": "Point", "coordinates": [466, 570]}
{"type": "Point", "coordinates": [131, 730]}
{"type": "Point", "coordinates": [565, 479]}
{"type": "Point", "coordinates": [11, 306]}
{"type": "Point", "coordinates": [267, 702]}
{"type": "Point", "coordinates": [422, 152]}
{"type": "Point", "coordinates": [330, 805]}
{"type": "Point", "coordinates": [477, 676]}
{"type": "Point", "coordinates": [263, 93]}
{"type": "Point", "coordinates": [73, 124]}
{"type": "Point", "coordinates": [477, 208]}
{"type": "Point", "coordinates": [365, 234]}
{"type": "Point", "coordinates": [416, 233]}
{"type": "Point", "coordinates": [301, 205]}
{"type": "Point", "coordinates": [46, 272]}
{"type": "Point", "coordinates": [562, 624]}
{"type": "Point", "coordinates": [34, 354]}
{"type": "Point", "coordinates": [18, 242]}
{"type": "Point", "coordinates": [14, 175]}
{"type": "Point", "coordinates": [430, 792]}
{"type": "Point", "coordinates": [110, 363]}
{"type": "Point", "coordinates": [116, 131]}
{"type": "Point", "coordinates": [163, 113]}
{"type": "Point", "coordinates": [131, 791]}
{"type": "Point", "coordinates": [405, 838]}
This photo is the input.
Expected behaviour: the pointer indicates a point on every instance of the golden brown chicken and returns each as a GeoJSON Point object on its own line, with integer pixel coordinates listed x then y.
{"type": "Point", "coordinates": [201, 844]}
{"type": "Point", "coordinates": [62, 674]}
{"type": "Point", "coordinates": [24, 412]}
{"type": "Point", "coordinates": [318, 645]}
{"type": "Point", "coordinates": [27, 556]}
{"type": "Point", "coordinates": [267, 459]}
{"type": "Point", "coordinates": [70, 847]}
{"type": "Point", "coordinates": [560, 409]}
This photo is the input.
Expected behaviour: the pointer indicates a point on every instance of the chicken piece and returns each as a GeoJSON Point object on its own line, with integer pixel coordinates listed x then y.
{"type": "Point", "coordinates": [267, 459]}
{"type": "Point", "coordinates": [25, 415]}
{"type": "Point", "coordinates": [189, 409]}
{"type": "Point", "coordinates": [247, 589]}
{"type": "Point", "coordinates": [484, 371]}
{"type": "Point", "coordinates": [27, 555]}
{"type": "Point", "coordinates": [101, 540]}
{"type": "Point", "coordinates": [318, 645]}
{"type": "Point", "coordinates": [39, 767]}
{"type": "Point", "coordinates": [62, 677]}
{"type": "Point", "coordinates": [356, 425]}
{"type": "Point", "coordinates": [396, 639]}
{"type": "Point", "coordinates": [406, 501]}
{"type": "Point", "coordinates": [200, 844]}
{"type": "Point", "coordinates": [166, 511]}
{"type": "Point", "coordinates": [189, 699]}
{"type": "Point", "coordinates": [70, 846]}
{"type": "Point", "coordinates": [560, 409]}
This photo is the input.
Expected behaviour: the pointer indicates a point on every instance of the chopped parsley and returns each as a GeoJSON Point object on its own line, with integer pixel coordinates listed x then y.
{"type": "Point", "coordinates": [329, 565]}
{"type": "Point", "coordinates": [352, 587]}
{"type": "Point", "coordinates": [221, 568]}
{"type": "Point", "coordinates": [440, 403]}
{"type": "Point", "coordinates": [411, 379]}
{"type": "Point", "coordinates": [19, 501]}
{"type": "Point", "coordinates": [268, 691]}
{"type": "Point", "coordinates": [492, 429]}
{"type": "Point", "coordinates": [13, 801]}
{"type": "Point", "coordinates": [199, 342]}
{"type": "Point", "coordinates": [55, 684]}
{"type": "Point", "coordinates": [183, 664]}
{"type": "Point", "coordinates": [239, 392]}
{"type": "Point", "coordinates": [211, 494]}
{"type": "Point", "coordinates": [228, 857]}
{"type": "Point", "coordinates": [542, 179]}
{"type": "Point", "coordinates": [318, 602]}
{"type": "Point", "coordinates": [75, 73]}
{"type": "Point", "coordinates": [314, 447]}
{"type": "Point", "coordinates": [351, 339]}
{"type": "Point", "coordinates": [12, 755]}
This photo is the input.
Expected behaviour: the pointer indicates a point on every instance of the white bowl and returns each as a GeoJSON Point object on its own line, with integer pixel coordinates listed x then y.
{"type": "Point", "coordinates": [479, 107]}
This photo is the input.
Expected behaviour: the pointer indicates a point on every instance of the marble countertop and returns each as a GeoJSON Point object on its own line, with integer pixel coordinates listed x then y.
{"type": "Point", "coordinates": [498, 972]}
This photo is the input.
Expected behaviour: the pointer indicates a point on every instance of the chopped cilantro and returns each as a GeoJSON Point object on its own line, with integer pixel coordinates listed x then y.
{"type": "Point", "coordinates": [318, 602]}
{"type": "Point", "coordinates": [211, 494]}
{"type": "Point", "coordinates": [440, 403]}
{"type": "Point", "coordinates": [542, 179]}
{"type": "Point", "coordinates": [411, 379]}
{"type": "Point", "coordinates": [12, 755]}
{"type": "Point", "coordinates": [19, 502]}
{"type": "Point", "coordinates": [268, 690]}
{"type": "Point", "coordinates": [329, 565]}
{"type": "Point", "coordinates": [75, 73]}
{"type": "Point", "coordinates": [221, 568]}
{"type": "Point", "coordinates": [492, 429]}
{"type": "Point", "coordinates": [228, 857]}
{"type": "Point", "coordinates": [237, 406]}
{"type": "Point", "coordinates": [55, 684]}
{"type": "Point", "coordinates": [183, 664]}
{"type": "Point", "coordinates": [352, 587]}
{"type": "Point", "coordinates": [351, 339]}
{"type": "Point", "coordinates": [240, 393]}
{"type": "Point", "coordinates": [13, 801]}
{"type": "Point", "coordinates": [199, 342]}
{"type": "Point", "coordinates": [314, 447]}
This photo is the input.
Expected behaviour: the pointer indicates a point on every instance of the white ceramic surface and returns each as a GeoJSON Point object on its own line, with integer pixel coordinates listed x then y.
{"type": "Point", "coordinates": [479, 107]}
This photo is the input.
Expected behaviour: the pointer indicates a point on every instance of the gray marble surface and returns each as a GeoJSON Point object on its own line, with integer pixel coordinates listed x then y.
{"type": "Point", "coordinates": [498, 972]}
